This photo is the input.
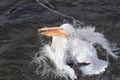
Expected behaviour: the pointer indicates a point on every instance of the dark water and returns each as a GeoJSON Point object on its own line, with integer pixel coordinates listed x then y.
{"type": "Point", "coordinates": [19, 20]}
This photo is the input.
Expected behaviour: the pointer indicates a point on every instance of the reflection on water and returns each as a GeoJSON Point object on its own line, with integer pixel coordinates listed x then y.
{"type": "Point", "coordinates": [19, 40]}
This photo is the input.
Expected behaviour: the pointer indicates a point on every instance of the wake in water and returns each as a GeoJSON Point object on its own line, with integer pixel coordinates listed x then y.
{"type": "Point", "coordinates": [72, 44]}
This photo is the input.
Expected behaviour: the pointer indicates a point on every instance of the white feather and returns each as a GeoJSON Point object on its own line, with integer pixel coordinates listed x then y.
{"type": "Point", "coordinates": [88, 34]}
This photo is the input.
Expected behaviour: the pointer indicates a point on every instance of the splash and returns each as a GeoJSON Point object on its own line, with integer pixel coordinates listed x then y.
{"type": "Point", "coordinates": [78, 49]}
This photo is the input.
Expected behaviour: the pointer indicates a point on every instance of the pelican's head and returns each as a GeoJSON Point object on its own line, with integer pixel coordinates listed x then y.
{"type": "Point", "coordinates": [64, 30]}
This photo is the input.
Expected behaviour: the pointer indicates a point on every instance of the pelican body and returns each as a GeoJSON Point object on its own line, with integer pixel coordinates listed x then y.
{"type": "Point", "coordinates": [69, 43]}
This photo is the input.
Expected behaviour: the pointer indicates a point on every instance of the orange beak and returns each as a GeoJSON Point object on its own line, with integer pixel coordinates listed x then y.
{"type": "Point", "coordinates": [53, 31]}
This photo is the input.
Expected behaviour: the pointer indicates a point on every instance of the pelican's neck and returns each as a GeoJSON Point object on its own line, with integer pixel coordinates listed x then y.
{"type": "Point", "coordinates": [59, 42]}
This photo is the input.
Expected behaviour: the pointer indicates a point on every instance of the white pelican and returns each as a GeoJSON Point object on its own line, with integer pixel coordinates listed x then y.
{"type": "Point", "coordinates": [69, 43]}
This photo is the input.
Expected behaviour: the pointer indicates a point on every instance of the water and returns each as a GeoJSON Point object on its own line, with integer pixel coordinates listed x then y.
{"type": "Point", "coordinates": [19, 39]}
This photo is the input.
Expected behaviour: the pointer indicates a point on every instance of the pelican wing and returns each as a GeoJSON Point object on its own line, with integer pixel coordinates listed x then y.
{"type": "Point", "coordinates": [84, 52]}
{"type": "Point", "coordinates": [88, 34]}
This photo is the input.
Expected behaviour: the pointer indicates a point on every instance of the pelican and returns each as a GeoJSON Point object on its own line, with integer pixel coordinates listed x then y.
{"type": "Point", "coordinates": [75, 44]}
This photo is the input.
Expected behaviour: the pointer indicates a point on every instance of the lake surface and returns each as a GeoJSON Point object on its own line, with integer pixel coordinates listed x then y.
{"type": "Point", "coordinates": [19, 41]}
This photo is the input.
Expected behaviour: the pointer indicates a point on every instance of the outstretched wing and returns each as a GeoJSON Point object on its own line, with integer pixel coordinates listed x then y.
{"type": "Point", "coordinates": [89, 34]}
